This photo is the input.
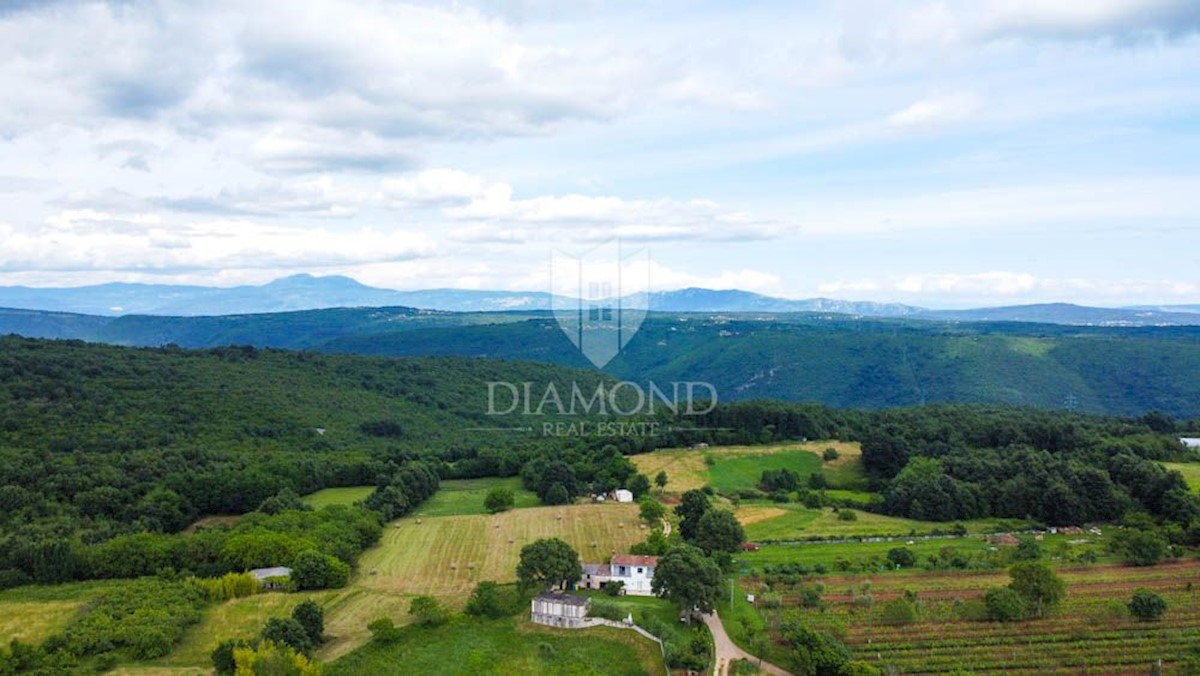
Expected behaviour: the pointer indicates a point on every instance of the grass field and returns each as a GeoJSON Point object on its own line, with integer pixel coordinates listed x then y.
{"type": "Point", "coordinates": [741, 466]}
{"type": "Point", "coordinates": [507, 646]}
{"type": "Point", "coordinates": [1190, 472]}
{"type": "Point", "coordinates": [447, 555]}
{"type": "Point", "coordinates": [465, 497]}
{"type": "Point", "coordinates": [337, 496]}
{"type": "Point", "coordinates": [1090, 633]}
{"type": "Point", "coordinates": [34, 613]}
{"type": "Point", "coordinates": [790, 521]}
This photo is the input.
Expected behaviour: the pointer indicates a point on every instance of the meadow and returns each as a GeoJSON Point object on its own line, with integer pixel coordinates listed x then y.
{"type": "Point", "coordinates": [738, 467]}
{"type": "Point", "coordinates": [1190, 472]}
{"type": "Point", "coordinates": [347, 495]}
{"type": "Point", "coordinates": [506, 646]}
{"type": "Point", "coordinates": [463, 497]}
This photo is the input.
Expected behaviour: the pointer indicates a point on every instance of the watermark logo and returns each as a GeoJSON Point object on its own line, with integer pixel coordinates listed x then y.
{"type": "Point", "coordinates": [600, 298]}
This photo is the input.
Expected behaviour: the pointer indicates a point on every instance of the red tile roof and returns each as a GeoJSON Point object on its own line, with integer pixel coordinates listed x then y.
{"type": "Point", "coordinates": [634, 560]}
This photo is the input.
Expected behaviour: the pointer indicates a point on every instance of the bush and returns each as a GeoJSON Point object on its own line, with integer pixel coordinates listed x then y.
{"type": "Point", "coordinates": [830, 454]}
{"type": "Point", "coordinates": [222, 656]}
{"type": "Point", "coordinates": [384, 631]}
{"type": "Point", "coordinates": [312, 618]}
{"type": "Point", "coordinates": [847, 515]}
{"type": "Point", "coordinates": [289, 632]}
{"type": "Point", "coordinates": [614, 588]}
{"type": "Point", "coordinates": [1147, 606]}
{"type": "Point", "coordinates": [499, 499]}
{"type": "Point", "coordinates": [1004, 605]}
{"type": "Point", "coordinates": [1141, 547]}
{"type": "Point", "coordinates": [427, 610]}
{"type": "Point", "coordinates": [901, 557]}
{"type": "Point", "coordinates": [898, 611]}
{"type": "Point", "coordinates": [491, 600]}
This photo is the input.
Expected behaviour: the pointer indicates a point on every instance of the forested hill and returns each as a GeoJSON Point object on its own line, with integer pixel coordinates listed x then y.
{"type": "Point", "coordinates": [832, 359]}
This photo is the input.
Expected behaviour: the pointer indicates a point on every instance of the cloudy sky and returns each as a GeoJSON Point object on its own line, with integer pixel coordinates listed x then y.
{"type": "Point", "coordinates": [935, 152]}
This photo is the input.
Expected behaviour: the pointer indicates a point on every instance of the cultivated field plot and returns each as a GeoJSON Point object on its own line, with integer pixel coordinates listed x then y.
{"type": "Point", "coordinates": [789, 521]}
{"type": "Point", "coordinates": [448, 555]}
{"type": "Point", "coordinates": [686, 469]}
{"type": "Point", "coordinates": [1090, 633]}
{"type": "Point", "coordinates": [34, 613]}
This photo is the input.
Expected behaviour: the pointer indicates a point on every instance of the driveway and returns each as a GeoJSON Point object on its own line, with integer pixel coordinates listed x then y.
{"type": "Point", "coordinates": [727, 652]}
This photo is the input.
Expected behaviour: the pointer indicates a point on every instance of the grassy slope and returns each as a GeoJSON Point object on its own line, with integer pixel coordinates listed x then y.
{"type": "Point", "coordinates": [508, 646]}
{"type": "Point", "coordinates": [738, 467]}
{"type": "Point", "coordinates": [1190, 472]}
{"type": "Point", "coordinates": [33, 613]}
{"type": "Point", "coordinates": [465, 497]}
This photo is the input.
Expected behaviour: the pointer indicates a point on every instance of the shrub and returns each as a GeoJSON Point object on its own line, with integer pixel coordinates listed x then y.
{"type": "Point", "coordinates": [491, 600]}
{"type": "Point", "coordinates": [847, 515]}
{"type": "Point", "coordinates": [499, 499]}
{"type": "Point", "coordinates": [1146, 605]}
{"type": "Point", "coordinates": [605, 609]}
{"type": "Point", "coordinates": [901, 557]}
{"type": "Point", "coordinates": [830, 454]}
{"type": "Point", "coordinates": [614, 588]}
{"type": "Point", "coordinates": [314, 570]}
{"type": "Point", "coordinates": [222, 656]}
{"type": "Point", "coordinates": [312, 618]}
{"type": "Point", "coordinates": [287, 631]}
{"type": "Point", "coordinates": [427, 610]}
{"type": "Point", "coordinates": [898, 611]}
{"type": "Point", "coordinates": [1004, 605]}
{"type": "Point", "coordinates": [384, 631]}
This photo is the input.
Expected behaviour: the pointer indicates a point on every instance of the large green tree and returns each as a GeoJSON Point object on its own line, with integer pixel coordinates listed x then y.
{"type": "Point", "coordinates": [687, 577]}
{"type": "Point", "coordinates": [1041, 589]}
{"type": "Point", "coordinates": [548, 562]}
{"type": "Point", "coordinates": [719, 531]}
{"type": "Point", "coordinates": [691, 508]}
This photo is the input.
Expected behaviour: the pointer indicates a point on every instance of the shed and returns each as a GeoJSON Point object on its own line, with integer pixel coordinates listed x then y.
{"type": "Point", "coordinates": [556, 609]}
{"type": "Point", "coordinates": [1190, 442]}
{"type": "Point", "coordinates": [272, 578]}
{"type": "Point", "coordinates": [623, 495]}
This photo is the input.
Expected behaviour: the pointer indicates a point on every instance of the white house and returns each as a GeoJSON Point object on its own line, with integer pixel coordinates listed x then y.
{"type": "Point", "coordinates": [556, 609]}
{"type": "Point", "coordinates": [622, 495]}
{"type": "Point", "coordinates": [1190, 442]}
{"type": "Point", "coordinates": [633, 571]}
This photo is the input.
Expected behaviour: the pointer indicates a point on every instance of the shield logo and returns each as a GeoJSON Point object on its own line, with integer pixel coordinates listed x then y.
{"type": "Point", "coordinates": [600, 298]}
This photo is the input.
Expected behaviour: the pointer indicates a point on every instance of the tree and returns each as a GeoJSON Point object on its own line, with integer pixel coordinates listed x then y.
{"type": "Point", "coordinates": [314, 570]}
{"type": "Point", "coordinates": [687, 577]}
{"type": "Point", "coordinates": [427, 610]}
{"type": "Point", "coordinates": [660, 479]}
{"type": "Point", "coordinates": [548, 562]}
{"type": "Point", "coordinates": [719, 531]}
{"type": "Point", "coordinates": [499, 499]}
{"type": "Point", "coordinates": [814, 653]}
{"type": "Point", "coordinates": [691, 508]}
{"type": "Point", "coordinates": [1146, 605]}
{"type": "Point", "coordinates": [222, 656]}
{"type": "Point", "coordinates": [487, 600]}
{"type": "Point", "coordinates": [383, 630]}
{"type": "Point", "coordinates": [651, 510]}
{"type": "Point", "coordinates": [556, 495]}
{"type": "Point", "coordinates": [901, 557]}
{"type": "Point", "coordinates": [830, 454]}
{"type": "Point", "coordinates": [1028, 549]}
{"type": "Point", "coordinates": [312, 618]}
{"type": "Point", "coordinates": [639, 485]}
{"type": "Point", "coordinates": [1041, 589]}
{"type": "Point", "coordinates": [1141, 547]}
{"type": "Point", "coordinates": [287, 631]}
{"type": "Point", "coordinates": [273, 658]}
{"type": "Point", "coordinates": [1004, 605]}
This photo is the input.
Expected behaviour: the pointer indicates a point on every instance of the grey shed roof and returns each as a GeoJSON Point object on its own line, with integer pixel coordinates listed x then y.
{"type": "Point", "coordinates": [567, 599]}
{"type": "Point", "coordinates": [278, 571]}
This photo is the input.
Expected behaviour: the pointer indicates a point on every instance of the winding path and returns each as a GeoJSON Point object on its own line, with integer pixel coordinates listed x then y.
{"type": "Point", "coordinates": [727, 651]}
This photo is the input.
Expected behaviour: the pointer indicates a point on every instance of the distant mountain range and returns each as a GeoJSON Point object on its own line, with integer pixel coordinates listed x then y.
{"type": "Point", "coordinates": [306, 292]}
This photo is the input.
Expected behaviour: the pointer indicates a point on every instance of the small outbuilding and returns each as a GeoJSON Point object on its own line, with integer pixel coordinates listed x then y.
{"type": "Point", "coordinates": [622, 495]}
{"type": "Point", "coordinates": [555, 609]}
{"type": "Point", "coordinates": [272, 578]}
{"type": "Point", "coordinates": [1190, 442]}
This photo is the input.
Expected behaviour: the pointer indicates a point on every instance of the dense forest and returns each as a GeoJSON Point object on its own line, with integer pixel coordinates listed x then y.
{"type": "Point", "coordinates": [836, 360]}
{"type": "Point", "coordinates": [107, 454]}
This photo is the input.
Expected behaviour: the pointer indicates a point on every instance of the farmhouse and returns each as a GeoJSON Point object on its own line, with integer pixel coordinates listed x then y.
{"type": "Point", "coordinates": [272, 578]}
{"type": "Point", "coordinates": [634, 572]}
{"type": "Point", "coordinates": [556, 609]}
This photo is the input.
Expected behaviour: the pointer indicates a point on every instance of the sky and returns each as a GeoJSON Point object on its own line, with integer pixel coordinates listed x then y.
{"type": "Point", "coordinates": [939, 153]}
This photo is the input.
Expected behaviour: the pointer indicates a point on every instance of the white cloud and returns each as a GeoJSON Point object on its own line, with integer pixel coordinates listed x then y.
{"type": "Point", "coordinates": [937, 111]}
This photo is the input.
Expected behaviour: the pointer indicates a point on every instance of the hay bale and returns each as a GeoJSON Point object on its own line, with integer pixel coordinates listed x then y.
{"type": "Point", "coordinates": [418, 522]}
{"type": "Point", "coordinates": [453, 566]}
{"type": "Point", "coordinates": [471, 566]}
{"type": "Point", "coordinates": [510, 541]}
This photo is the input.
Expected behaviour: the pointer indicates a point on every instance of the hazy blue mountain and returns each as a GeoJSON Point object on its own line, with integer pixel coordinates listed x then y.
{"type": "Point", "coordinates": [1066, 313]}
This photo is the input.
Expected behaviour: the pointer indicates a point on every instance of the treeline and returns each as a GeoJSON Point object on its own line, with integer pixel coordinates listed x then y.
{"type": "Point", "coordinates": [953, 463]}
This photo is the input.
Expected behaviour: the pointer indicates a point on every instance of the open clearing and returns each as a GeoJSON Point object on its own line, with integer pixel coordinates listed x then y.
{"type": "Point", "coordinates": [766, 521]}
{"type": "Point", "coordinates": [32, 614]}
{"type": "Point", "coordinates": [447, 555]}
{"type": "Point", "coordinates": [1190, 472]}
{"type": "Point", "coordinates": [686, 469]}
{"type": "Point", "coordinates": [337, 496]}
{"type": "Point", "coordinates": [465, 496]}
